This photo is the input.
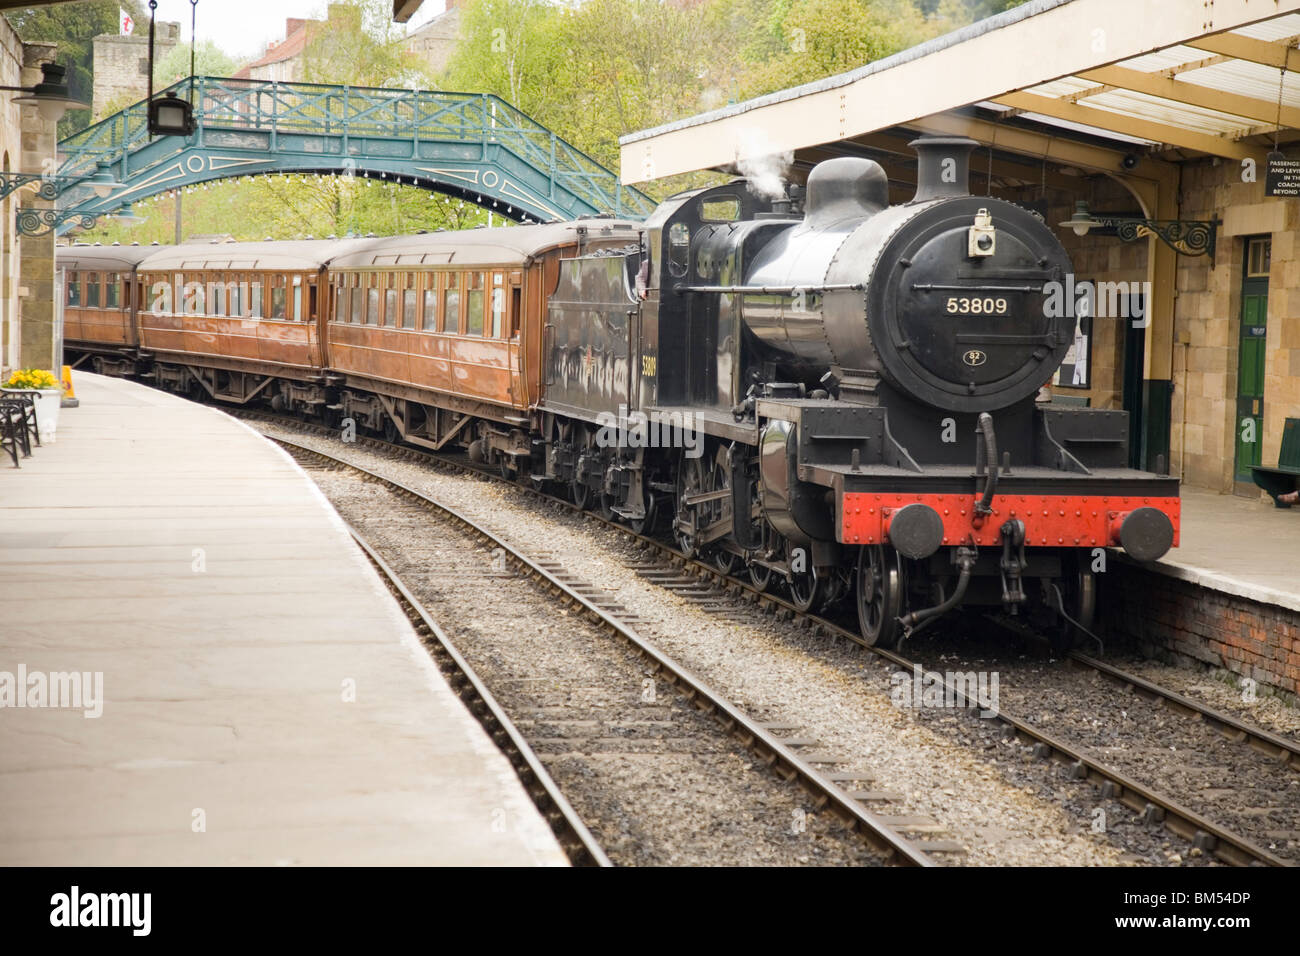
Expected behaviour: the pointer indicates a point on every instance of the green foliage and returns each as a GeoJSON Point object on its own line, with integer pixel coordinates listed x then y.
{"type": "Point", "coordinates": [209, 60]}
{"type": "Point", "coordinates": [291, 207]}
{"type": "Point", "coordinates": [591, 72]}
{"type": "Point", "coordinates": [360, 45]}
{"type": "Point", "coordinates": [825, 37]}
{"type": "Point", "coordinates": [74, 26]}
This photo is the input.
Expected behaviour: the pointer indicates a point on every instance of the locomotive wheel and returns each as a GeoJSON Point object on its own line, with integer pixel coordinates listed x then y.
{"type": "Point", "coordinates": [581, 494]}
{"type": "Point", "coordinates": [879, 594]}
{"type": "Point", "coordinates": [761, 575]}
{"type": "Point", "coordinates": [690, 481]}
{"type": "Point", "coordinates": [806, 591]}
{"type": "Point", "coordinates": [579, 490]}
{"type": "Point", "coordinates": [640, 525]}
{"type": "Point", "coordinates": [724, 561]}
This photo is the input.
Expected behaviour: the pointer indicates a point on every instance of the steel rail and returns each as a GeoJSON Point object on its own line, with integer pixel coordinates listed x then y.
{"type": "Point", "coordinates": [880, 835]}
{"type": "Point", "coordinates": [575, 838]}
{"type": "Point", "coordinates": [1209, 836]}
{"type": "Point", "coordinates": [1285, 751]}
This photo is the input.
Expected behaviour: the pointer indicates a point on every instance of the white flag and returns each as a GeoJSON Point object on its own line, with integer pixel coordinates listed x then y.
{"type": "Point", "coordinates": [127, 22]}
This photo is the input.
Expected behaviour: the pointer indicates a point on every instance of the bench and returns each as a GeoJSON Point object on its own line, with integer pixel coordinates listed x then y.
{"type": "Point", "coordinates": [1285, 477]}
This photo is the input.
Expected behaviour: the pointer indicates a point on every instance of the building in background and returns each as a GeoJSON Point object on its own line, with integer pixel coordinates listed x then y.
{"type": "Point", "coordinates": [122, 65]}
{"type": "Point", "coordinates": [436, 41]}
{"type": "Point", "coordinates": [282, 59]}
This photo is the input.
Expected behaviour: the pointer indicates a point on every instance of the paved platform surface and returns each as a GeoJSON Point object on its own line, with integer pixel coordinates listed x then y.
{"type": "Point", "coordinates": [1238, 545]}
{"type": "Point", "coordinates": [170, 549]}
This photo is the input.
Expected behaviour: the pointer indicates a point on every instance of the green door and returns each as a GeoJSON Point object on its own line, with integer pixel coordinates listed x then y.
{"type": "Point", "coordinates": [1249, 424]}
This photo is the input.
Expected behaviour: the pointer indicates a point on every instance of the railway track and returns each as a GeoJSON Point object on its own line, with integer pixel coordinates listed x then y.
{"type": "Point", "coordinates": [576, 840]}
{"type": "Point", "coordinates": [702, 583]}
{"type": "Point", "coordinates": [776, 745]}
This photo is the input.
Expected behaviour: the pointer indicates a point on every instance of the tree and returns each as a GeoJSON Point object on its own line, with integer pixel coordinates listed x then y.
{"type": "Point", "coordinates": [513, 48]}
{"type": "Point", "coordinates": [825, 37]}
{"type": "Point", "coordinates": [73, 26]}
{"type": "Point", "coordinates": [209, 60]}
{"type": "Point", "coordinates": [359, 45]}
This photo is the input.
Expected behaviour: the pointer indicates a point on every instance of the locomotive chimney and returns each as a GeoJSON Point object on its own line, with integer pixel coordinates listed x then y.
{"type": "Point", "coordinates": [942, 166]}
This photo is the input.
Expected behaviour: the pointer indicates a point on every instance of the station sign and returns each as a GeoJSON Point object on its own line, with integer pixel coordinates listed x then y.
{"type": "Point", "coordinates": [1282, 177]}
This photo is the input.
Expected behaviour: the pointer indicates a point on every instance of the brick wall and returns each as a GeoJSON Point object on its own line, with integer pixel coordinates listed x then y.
{"type": "Point", "coordinates": [1164, 616]}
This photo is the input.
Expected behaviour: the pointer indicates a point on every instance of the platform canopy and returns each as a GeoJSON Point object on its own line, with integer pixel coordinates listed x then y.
{"type": "Point", "coordinates": [1093, 84]}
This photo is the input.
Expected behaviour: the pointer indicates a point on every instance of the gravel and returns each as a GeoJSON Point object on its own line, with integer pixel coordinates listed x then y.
{"type": "Point", "coordinates": [988, 794]}
{"type": "Point", "coordinates": [657, 782]}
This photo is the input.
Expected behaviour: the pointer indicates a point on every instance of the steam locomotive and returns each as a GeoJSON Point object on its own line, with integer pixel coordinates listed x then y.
{"type": "Point", "coordinates": [831, 394]}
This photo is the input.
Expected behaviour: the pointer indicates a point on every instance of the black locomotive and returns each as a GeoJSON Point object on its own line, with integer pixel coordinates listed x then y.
{"type": "Point", "coordinates": [858, 385]}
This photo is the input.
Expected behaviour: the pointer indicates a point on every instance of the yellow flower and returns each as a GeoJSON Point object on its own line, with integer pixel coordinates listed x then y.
{"type": "Point", "coordinates": [31, 378]}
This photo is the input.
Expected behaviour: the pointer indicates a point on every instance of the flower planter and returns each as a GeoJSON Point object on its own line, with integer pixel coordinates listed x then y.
{"type": "Point", "coordinates": [48, 401]}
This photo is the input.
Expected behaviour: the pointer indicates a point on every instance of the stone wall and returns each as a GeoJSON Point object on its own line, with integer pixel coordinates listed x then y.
{"type": "Point", "coordinates": [1207, 323]}
{"type": "Point", "coordinates": [35, 270]}
{"type": "Point", "coordinates": [122, 65]}
{"type": "Point", "coordinates": [11, 66]}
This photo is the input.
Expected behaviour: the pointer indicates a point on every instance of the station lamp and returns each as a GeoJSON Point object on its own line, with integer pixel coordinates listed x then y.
{"type": "Point", "coordinates": [102, 182]}
{"type": "Point", "coordinates": [51, 96]}
{"type": "Point", "coordinates": [169, 115]}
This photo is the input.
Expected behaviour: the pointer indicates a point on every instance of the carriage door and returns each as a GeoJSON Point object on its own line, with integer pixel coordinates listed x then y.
{"type": "Point", "coordinates": [1249, 422]}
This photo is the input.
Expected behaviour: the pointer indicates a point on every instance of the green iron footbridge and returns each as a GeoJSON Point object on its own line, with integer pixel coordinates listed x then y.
{"type": "Point", "coordinates": [473, 146]}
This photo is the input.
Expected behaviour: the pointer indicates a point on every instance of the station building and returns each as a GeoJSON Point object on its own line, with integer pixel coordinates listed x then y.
{"type": "Point", "coordinates": [1155, 124]}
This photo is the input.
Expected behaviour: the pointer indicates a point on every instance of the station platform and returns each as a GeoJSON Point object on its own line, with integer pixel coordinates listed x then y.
{"type": "Point", "coordinates": [252, 693]}
{"type": "Point", "coordinates": [1240, 546]}
{"type": "Point", "coordinates": [1228, 596]}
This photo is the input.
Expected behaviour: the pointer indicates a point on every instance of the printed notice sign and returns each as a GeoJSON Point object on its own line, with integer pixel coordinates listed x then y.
{"type": "Point", "coordinates": [1282, 177]}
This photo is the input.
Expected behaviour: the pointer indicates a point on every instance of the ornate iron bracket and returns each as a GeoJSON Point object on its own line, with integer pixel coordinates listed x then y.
{"type": "Point", "coordinates": [36, 222]}
{"type": "Point", "coordinates": [1188, 237]}
{"type": "Point", "coordinates": [49, 188]}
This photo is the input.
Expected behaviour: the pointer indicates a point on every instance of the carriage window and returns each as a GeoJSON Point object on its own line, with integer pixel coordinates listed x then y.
{"type": "Point", "coordinates": [474, 305]}
{"type": "Point", "coordinates": [372, 307]}
{"type": "Point", "coordinates": [516, 303]}
{"type": "Point", "coordinates": [255, 298]}
{"type": "Point", "coordinates": [74, 288]}
{"type": "Point", "coordinates": [92, 290]}
{"type": "Point", "coordinates": [357, 297]}
{"type": "Point", "coordinates": [408, 308]}
{"type": "Point", "coordinates": [278, 298]}
{"type": "Point", "coordinates": [390, 308]}
{"type": "Point", "coordinates": [298, 315]}
{"type": "Point", "coordinates": [430, 309]}
{"type": "Point", "coordinates": [216, 299]}
{"type": "Point", "coordinates": [340, 303]}
{"type": "Point", "coordinates": [498, 304]}
{"type": "Point", "coordinates": [451, 305]}
{"type": "Point", "coordinates": [237, 304]}
{"type": "Point", "coordinates": [113, 291]}
{"type": "Point", "coordinates": [194, 297]}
